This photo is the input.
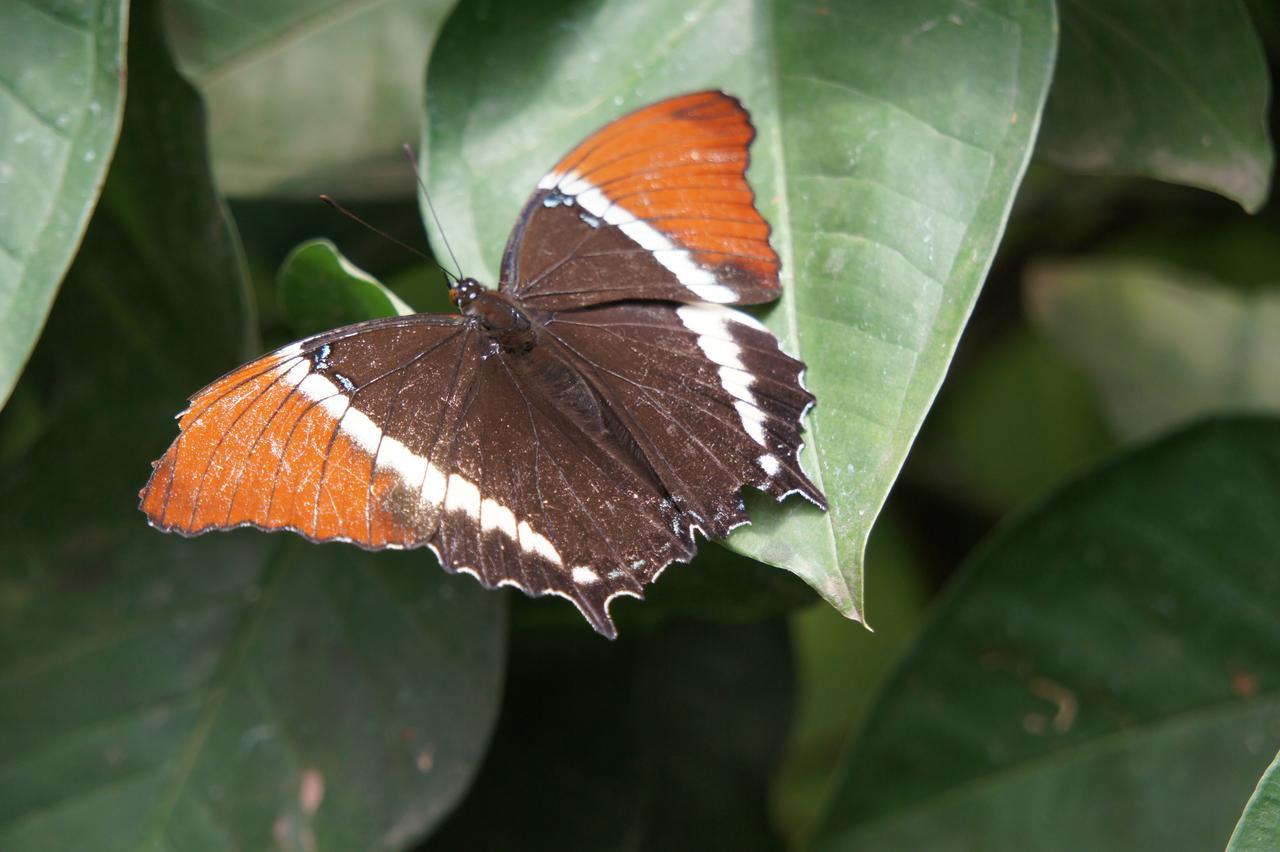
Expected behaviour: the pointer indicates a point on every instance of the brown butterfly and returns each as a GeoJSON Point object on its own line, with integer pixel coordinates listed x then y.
{"type": "Point", "coordinates": [566, 433]}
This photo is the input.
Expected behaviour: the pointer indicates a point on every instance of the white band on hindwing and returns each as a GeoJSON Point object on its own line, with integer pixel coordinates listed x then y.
{"type": "Point", "coordinates": [715, 338]}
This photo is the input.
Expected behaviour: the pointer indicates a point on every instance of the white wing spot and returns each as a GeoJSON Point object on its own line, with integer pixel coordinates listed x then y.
{"type": "Point", "coordinates": [359, 428]}
{"type": "Point", "coordinates": [291, 351]}
{"type": "Point", "coordinates": [584, 576]}
{"type": "Point", "coordinates": [723, 352]}
{"type": "Point", "coordinates": [462, 495]}
{"type": "Point", "coordinates": [395, 456]}
{"type": "Point", "coordinates": [535, 542]}
{"type": "Point", "coordinates": [296, 373]}
{"type": "Point", "coordinates": [738, 383]}
{"type": "Point", "coordinates": [752, 420]}
{"type": "Point", "coordinates": [434, 486]}
{"type": "Point", "coordinates": [769, 463]}
{"type": "Point", "coordinates": [713, 319]}
{"type": "Point", "coordinates": [495, 516]}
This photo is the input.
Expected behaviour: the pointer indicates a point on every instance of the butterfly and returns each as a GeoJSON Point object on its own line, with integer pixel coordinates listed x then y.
{"type": "Point", "coordinates": [566, 433]}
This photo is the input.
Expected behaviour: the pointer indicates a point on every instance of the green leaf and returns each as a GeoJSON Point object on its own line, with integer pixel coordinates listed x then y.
{"type": "Point", "coordinates": [61, 92]}
{"type": "Point", "coordinates": [232, 691]}
{"type": "Point", "coordinates": [1171, 89]}
{"type": "Point", "coordinates": [309, 96]}
{"type": "Point", "coordinates": [1014, 420]}
{"type": "Point", "coordinates": [320, 290]}
{"type": "Point", "coordinates": [1162, 346]}
{"type": "Point", "coordinates": [839, 670]}
{"type": "Point", "coordinates": [886, 171]}
{"type": "Point", "coordinates": [666, 741]}
{"type": "Point", "coordinates": [1105, 674]}
{"type": "Point", "coordinates": [200, 283]}
{"type": "Point", "coordinates": [1259, 826]}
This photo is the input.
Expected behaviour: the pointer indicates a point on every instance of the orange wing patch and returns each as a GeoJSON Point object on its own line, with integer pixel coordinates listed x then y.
{"type": "Point", "coordinates": [680, 166]}
{"type": "Point", "coordinates": [265, 446]}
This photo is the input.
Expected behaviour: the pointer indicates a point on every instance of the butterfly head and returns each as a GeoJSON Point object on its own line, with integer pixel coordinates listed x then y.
{"type": "Point", "coordinates": [506, 323]}
{"type": "Point", "coordinates": [466, 291]}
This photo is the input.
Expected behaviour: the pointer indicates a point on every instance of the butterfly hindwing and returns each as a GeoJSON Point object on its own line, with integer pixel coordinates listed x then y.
{"type": "Point", "coordinates": [706, 393]}
{"type": "Point", "coordinates": [547, 500]}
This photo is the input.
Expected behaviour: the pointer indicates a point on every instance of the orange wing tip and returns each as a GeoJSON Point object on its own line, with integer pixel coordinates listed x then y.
{"type": "Point", "coordinates": [648, 174]}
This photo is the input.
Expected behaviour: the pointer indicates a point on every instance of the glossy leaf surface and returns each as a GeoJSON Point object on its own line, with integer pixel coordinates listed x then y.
{"type": "Point", "coordinates": [62, 70]}
{"type": "Point", "coordinates": [1098, 662]}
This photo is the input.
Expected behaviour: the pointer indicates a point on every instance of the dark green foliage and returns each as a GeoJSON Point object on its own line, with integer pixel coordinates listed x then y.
{"type": "Point", "coordinates": [1100, 671]}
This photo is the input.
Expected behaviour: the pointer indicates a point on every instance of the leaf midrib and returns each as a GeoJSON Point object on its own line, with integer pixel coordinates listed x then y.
{"type": "Point", "coordinates": [789, 309]}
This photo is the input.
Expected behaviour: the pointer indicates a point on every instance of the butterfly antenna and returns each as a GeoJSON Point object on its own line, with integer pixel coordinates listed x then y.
{"type": "Point", "coordinates": [345, 212]}
{"type": "Point", "coordinates": [413, 164]}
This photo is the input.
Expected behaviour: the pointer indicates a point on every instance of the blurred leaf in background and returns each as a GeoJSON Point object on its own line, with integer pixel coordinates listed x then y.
{"type": "Point", "coordinates": [664, 740]}
{"type": "Point", "coordinates": [1162, 346]}
{"type": "Point", "coordinates": [1103, 675]}
{"type": "Point", "coordinates": [1010, 424]}
{"type": "Point", "coordinates": [1183, 101]}
{"type": "Point", "coordinates": [62, 70]}
{"type": "Point", "coordinates": [322, 290]}
{"type": "Point", "coordinates": [272, 228]}
{"type": "Point", "coordinates": [309, 96]}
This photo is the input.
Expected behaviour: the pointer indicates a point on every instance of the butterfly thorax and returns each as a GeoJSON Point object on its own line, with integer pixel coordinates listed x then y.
{"type": "Point", "coordinates": [506, 322]}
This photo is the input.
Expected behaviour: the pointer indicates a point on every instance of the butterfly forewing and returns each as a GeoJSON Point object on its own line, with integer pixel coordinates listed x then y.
{"type": "Point", "coordinates": [654, 206]}
{"type": "Point", "coordinates": [312, 438]}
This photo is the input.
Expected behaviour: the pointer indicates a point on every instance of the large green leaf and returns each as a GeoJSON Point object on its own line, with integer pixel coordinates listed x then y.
{"type": "Point", "coordinates": [1015, 420]}
{"type": "Point", "coordinates": [891, 140]}
{"type": "Point", "coordinates": [655, 742]}
{"type": "Point", "coordinates": [309, 96]}
{"type": "Point", "coordinates": [1106, 674]}
{"type": "Point", "coordinates": [1162, 346]}
{"type": "Point", "coordinates": [233, 691]}
{"type": "Point", "coordinates": [1259, 826]}
{"type": "Point", "coordinates": [1169, 89]}
{"type": "Point", "coordinates": [61, 91]}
